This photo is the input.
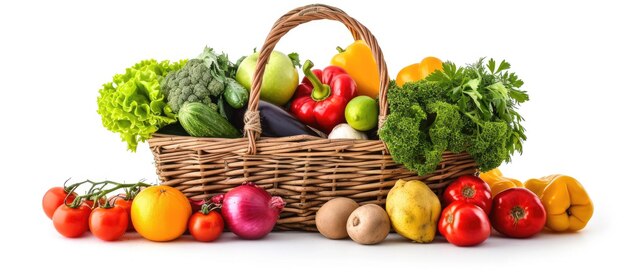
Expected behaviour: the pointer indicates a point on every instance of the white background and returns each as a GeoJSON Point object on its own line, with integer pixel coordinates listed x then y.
{"type": "Point", "coordinates": [55, 55]}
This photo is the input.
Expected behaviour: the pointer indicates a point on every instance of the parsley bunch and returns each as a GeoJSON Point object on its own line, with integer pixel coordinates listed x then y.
{"type": "Point", "coordinates": [471, 108]}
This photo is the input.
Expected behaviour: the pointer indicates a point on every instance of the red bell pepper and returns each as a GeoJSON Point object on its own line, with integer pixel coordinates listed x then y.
{"type": "Point", "coordinates": [321, 104]}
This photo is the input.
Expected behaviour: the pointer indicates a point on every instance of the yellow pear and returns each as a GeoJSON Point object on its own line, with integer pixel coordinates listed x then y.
{"type": "Point", "coordinates": [413, 210]}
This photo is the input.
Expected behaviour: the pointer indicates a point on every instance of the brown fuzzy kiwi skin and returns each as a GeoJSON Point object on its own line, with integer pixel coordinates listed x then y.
{"type": "Point", "coordinates": [369, 224]}
{"type": "Point", "coordinates": [331, 218]}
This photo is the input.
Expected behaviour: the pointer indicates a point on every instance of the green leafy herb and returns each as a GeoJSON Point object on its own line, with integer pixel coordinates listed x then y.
{"type": "Point", "coordinates": [471, 108]}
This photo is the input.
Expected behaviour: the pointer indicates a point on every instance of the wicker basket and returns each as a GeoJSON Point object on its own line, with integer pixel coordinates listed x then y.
{"type": "Point", "coordinates": [306, 171]}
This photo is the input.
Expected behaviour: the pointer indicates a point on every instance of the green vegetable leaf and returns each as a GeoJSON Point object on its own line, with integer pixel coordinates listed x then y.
{"type": "Point", "coordinates": [519, 96]}
{"type": "Point", "coordinates": [503, 66]}
{"type": "Point", "coordinates": [448, 73]}
{"type": "Point", "coordinates": [133, 104]}
{"type": "Point", "coordinates": [233, 71]}
{"type": "Point", "coordinates": [295, 59]}
{"type": "Point", "coordinates": [491, 65]}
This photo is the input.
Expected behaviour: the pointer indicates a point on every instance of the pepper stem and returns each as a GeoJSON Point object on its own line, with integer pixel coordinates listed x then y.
{"type": "Point", "coordinates": [320, 91]}
{"type": "Point", "coordinates": [340, 50]}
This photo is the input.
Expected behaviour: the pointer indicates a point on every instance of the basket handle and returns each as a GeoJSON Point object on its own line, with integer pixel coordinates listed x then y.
{"type": "Point", "coordinates": [295, 17]}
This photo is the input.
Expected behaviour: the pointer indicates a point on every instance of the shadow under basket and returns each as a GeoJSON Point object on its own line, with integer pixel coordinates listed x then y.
{"type": "Point", "coordinates": [305, 171]}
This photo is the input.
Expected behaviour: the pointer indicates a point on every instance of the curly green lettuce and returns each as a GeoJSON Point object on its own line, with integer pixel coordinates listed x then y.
{"type": "Point", "coordinates": [471, 109]}
{"type": "Point", "coordinates": [133, 104]}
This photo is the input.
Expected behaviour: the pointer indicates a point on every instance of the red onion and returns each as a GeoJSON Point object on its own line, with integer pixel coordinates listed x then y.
{"type": "Point", "coordinates": [250, 212]}
{"type": "Point", "coordinates": [217, 199]}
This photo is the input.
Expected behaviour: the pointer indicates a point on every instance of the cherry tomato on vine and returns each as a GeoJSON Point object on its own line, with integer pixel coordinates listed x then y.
{"type": "Point", "coordinates": [71, 222]}
{"type": "Point", "coordinates": [108, 223]}
{"type": "Point", "coordinates": [206, 227]}
{"type": "Point", "coordinates": [120, 201]}
{"type": "Point", "coordinates": [54, 198]}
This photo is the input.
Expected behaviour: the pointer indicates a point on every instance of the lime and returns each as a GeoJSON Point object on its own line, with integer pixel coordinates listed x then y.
{"type": "Point", "coordinates": [362, 113]}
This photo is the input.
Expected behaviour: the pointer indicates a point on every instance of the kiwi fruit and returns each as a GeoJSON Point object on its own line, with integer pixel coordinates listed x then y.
{"type": "Point", "coordinates": [368, 224]}
{"type": "Point", "coordinates": [331, 218]}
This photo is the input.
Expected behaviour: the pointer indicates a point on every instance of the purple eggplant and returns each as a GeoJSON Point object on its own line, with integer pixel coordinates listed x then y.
{"type": "Point", "coordinates": [275, 121]}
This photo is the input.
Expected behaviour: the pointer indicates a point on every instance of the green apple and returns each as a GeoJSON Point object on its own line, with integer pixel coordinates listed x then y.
{"type": "Point", "coordinates": [279, 81]}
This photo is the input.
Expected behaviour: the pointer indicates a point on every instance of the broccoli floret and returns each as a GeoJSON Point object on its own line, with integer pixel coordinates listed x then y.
{"type": "Point", "coordinates": [200, 80]}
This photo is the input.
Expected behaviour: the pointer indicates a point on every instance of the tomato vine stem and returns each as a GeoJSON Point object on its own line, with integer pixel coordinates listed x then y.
{"type": "Point", "coordinates": [98, 190]}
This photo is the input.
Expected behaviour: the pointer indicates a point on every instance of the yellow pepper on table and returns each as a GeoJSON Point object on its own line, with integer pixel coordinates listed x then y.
{"type": "Point", "coordinates": [418, 71]}
{"type": "Point", "coordinates": [567, 203]}
{"type": "Point", "coordinates": [357, 60]}
{"type": "Point", "coordinates": [497, 182]}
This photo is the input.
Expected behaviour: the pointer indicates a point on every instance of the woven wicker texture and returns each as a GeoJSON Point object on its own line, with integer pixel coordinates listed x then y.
{"type": "Point", "coordinates": [305, 171]}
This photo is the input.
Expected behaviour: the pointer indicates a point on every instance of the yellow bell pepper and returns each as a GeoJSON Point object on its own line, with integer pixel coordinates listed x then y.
{"type": "Point", "coordinates": [566, 201]}
{"type": "Point", "coordinates": [497, 182]}
{"type": "Point", "coordinates": [357, 60]}
{"type": "Point", "coordinates": [418, 71]}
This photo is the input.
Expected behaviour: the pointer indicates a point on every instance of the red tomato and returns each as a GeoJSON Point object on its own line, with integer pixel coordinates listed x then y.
{"type": "Point", "coordinates": [518, 213]}
{"type": "Point", "coordinates": [469, 189]}
{"type": "Point", "coordinates": [126, 205]}
{"type": "Point", "coordinates": [464, 224]}
{"type": "Point", "coordinates": [108, 224]}
{"type": "Point", "coordinates": [54, 198]}
{"type": "Point", "coordinates": [206, 227]}
{"type": "Point", "coordinates": [71, 222]}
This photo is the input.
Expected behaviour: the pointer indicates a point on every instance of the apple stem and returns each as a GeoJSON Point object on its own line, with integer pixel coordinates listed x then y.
{"type": "Point", "coordinates": [320, 91]}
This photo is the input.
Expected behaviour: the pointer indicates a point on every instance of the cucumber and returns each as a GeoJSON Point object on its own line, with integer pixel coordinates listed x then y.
{"type": "Point", "coordinates": [236, 95]}
{"type": "Point", "coordinates": [200, 120]}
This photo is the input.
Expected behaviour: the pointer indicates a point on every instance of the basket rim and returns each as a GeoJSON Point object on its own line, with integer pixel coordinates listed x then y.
{"type": "Point", "coordinates": [294, 138]}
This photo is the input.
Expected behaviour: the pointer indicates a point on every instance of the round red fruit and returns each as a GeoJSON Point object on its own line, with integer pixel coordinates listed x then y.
{"type": "Point", "coordinates": [206, 227]}
{"type": "Point", "coordinates": [469, 189]}
{"type": "Point", "coordinates": [464, 224]}
{"type": "Point", "coordinates": [54, 198]}
{"type": "Point", "coordinates": [518, 213]}
{"type": "Point", "coordinates": [108, 224]}
{"type": "Point", "coordinates": [121, 201]}
{"type": "Point", "coordinates": [71, 222]}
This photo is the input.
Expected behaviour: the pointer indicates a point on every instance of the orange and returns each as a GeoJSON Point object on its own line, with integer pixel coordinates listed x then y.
{"type": "Point", "coordinates": [160, 213]}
